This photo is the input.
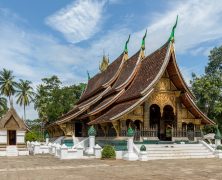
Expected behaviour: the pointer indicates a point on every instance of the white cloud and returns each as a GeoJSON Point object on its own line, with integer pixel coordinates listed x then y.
{"type": "Point", "coordinates": [34, 55]}
{"type": "Point", "coordinates": [78, 21]}
{"type": "Point", "coordinates": [199, 22]}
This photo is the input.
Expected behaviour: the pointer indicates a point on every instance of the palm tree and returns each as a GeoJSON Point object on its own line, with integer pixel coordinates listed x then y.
{"type": "Point", "coordinates": [3, 106]}
{"type": "Point", "coordinates": [7, 83]}
{"type": "Point", "coordinates": [24, 93]}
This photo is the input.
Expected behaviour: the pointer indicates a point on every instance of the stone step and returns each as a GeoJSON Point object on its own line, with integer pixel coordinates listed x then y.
{"type": "Point", "coordinates": [160, 146]}
{"type": "Point", "coordinates": [174, 148]}
{"type": "Point", "coordinates": [11, 151]}
{"type": "Point", "coordinates": [179, 157]}
{"type": "Point", "coordinates": [177, 151]}
{"type": "Point", "coordinates": [172, 145]}
{"type": "Point", "coordinates": [180, 154]}
{"type": "Point", "coordinates": [173, 152]}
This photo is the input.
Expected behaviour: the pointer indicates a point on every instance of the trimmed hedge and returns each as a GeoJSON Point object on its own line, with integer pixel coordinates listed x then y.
{"type": "Point", "coordinates": [219, 147]}
{"type": "Point", "coordinates": [108, 152]}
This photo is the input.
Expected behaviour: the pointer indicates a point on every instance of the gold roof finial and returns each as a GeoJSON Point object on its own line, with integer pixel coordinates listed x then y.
{"type": "Point", "coordinates": [105, 63]}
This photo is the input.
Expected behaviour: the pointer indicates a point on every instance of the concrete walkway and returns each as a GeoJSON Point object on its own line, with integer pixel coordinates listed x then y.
{"type": "Point", "coordinates": [47, 167]}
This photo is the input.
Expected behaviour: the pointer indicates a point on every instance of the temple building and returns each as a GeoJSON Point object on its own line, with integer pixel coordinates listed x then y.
{"type": "Point", "coordinates": [12, 134]}
{"type": "Point", "coordinates": [147, 93]}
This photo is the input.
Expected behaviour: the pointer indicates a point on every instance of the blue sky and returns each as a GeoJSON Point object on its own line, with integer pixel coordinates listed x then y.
{"type": "Point", "coordinates": [67, 38]}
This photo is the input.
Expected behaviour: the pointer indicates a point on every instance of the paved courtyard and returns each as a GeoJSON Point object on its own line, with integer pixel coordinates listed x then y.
{"type": "Point", "coordinates": [47, 167]}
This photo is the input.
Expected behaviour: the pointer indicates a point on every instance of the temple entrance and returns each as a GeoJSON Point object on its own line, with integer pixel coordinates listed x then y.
{"type": "Point", "coordinates": [155, 116]}
{"type": "Point", "coordinates": [11, 137]}
{"type": "Point", "coordinates": [167, 123]}
{"type": "Point", "coordinates": [190, 131]}
{"type": "Point", "coordinates": [78, 129]}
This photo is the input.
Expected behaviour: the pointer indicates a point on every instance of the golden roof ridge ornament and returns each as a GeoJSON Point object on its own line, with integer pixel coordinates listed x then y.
{"type": "Point", "coordinates": [172, 38]}
{"type": "Point", "coordinates": [126, 49]}
{"type": "Point", "coordinates": [104, 64]}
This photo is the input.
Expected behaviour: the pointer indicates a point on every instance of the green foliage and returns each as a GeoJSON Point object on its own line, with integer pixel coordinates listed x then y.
{"type": "Point", "coordinates": [108, 152]}
{"type": "Point", "coordinates": [143, 148]}
{"type": "Point", "coordinates": [7, 83]}
{"type": "Point", "coordinates": [24, 94]}
{"type": "Point", "coordinates": [31, 136]}
{"type": "Point", "coordinates": [209, 129]}
{"type": "Point", "coordinates": [208, 87]}
{"type": "Point", "coordinates": [52, 100]}
{"type": "Point", "coordinates": [3, 106]}
{"type": "Point", "coordinates": [219, 147]}
{"type": "Point", "coordinates": [35, 133]}
{"type": "Point", "coordinates": [215, 61]}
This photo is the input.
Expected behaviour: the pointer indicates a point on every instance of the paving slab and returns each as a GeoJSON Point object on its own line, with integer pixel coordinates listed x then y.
{"type": "Point", "coordinates": [47, 167]}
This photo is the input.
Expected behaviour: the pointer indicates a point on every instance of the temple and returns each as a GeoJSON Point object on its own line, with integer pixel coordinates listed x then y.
{"type": "Point", "coordinates": [12, 134]}
{"type": "Point", "coordinates": [147, 93]}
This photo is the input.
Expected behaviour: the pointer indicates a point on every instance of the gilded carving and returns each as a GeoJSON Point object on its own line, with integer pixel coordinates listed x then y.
{"type": "Point", "coordinates": [67, 128]}
{"type": "Point", "coordinates": [104, 64]}
{"type": "Point", "coordinates": [163, 84]}
{"type": "Point", "coordinates": [189, 115]}
{"type": "Point", "coordinates": [138, 111]}
{"type": "Point", "coordinates": [163, 99]}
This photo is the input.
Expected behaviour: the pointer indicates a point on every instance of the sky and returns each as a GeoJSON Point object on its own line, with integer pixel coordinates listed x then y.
{"type": "Point", "coordinates": [68, 37]}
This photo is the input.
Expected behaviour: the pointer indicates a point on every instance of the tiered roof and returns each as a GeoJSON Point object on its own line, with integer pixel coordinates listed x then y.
{"type": "Point", "coordinates": [127, 83]}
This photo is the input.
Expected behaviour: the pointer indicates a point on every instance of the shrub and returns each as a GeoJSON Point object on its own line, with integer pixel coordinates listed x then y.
{"type": "Point", "coordinates": [31, 136]}
{"type": "Point", "coordinates": [108, 152]}
{"type": "Point", "coordinates": [219, 147]}
{"type": "Point", "coordinates": [143, 148]}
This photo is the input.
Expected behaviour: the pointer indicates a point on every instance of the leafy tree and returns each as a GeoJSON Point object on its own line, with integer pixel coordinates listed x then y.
{"type": "Point", "coordinates": [24, 94]}
{"type": "Point", "coordinates": [208, 87]}
{"type": "Point", "coordinates": [52, 100]}
{"type": "Point", "coordinates": [35, 130]}
{"type": "Point", "coordinates": [7, 83]}
{"type": "Point", "coordinates": [215, 61]}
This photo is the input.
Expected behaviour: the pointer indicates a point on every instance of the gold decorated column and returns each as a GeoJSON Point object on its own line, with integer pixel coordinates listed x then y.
{"type": "Point", "coordinates": [146, 115]}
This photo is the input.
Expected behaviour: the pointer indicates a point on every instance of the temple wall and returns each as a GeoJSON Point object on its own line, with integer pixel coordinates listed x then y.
{"type": "Point", "coordinates": [20, 135]}
{"type": "Point", "coordinates": [3, 137]}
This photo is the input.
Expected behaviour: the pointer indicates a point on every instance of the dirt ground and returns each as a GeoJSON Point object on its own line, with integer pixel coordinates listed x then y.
{"type": "Point", "coordinates": [47, 167]}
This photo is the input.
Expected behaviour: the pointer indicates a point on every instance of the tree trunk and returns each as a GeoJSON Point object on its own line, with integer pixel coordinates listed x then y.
{"type": "Point", "coordinates": [24, 114]}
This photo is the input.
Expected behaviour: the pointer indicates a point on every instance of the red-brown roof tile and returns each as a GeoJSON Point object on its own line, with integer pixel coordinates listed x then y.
{"type": "Point", "coordinates": [149, 68]}
{"type": "Point", "coordinates": [114, 111]}
{"type": "Point", "coordinates": [100, 80]}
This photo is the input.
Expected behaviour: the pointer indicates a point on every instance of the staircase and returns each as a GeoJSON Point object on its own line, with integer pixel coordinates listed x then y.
{"type": "Point", "coordinates": [11, 151]}
{"type": "Point", "coordinates": [178, 151]}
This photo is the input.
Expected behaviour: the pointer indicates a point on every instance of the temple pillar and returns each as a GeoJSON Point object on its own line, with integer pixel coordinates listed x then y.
{"type": "Point", "coordinates": [116, 127]}
{"type": "Point", "coordinates": [146, 114]}
{"type": "Point", "coordinates": [104, 128]}
{"type": "Point", "coordinates": [178, 113]}
{"type": "Point", "coordinates": [73, 126]}
{"type": "Point", "coordinates": [162, 125]}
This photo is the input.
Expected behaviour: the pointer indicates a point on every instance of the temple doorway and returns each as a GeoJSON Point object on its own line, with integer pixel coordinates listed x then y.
{"type": "Point", "coordinates": [167, 123]}
{"type": "Point", "coordinates": [78, 129]}
{"type": "Point", "coordinates": [11, 137]}
{"type": "Point", "coordinates": [155, 116]}
{"type": "Point", "coordinates": [136, 125]}
{"type": "Point", "coordinates": [190, 131]}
